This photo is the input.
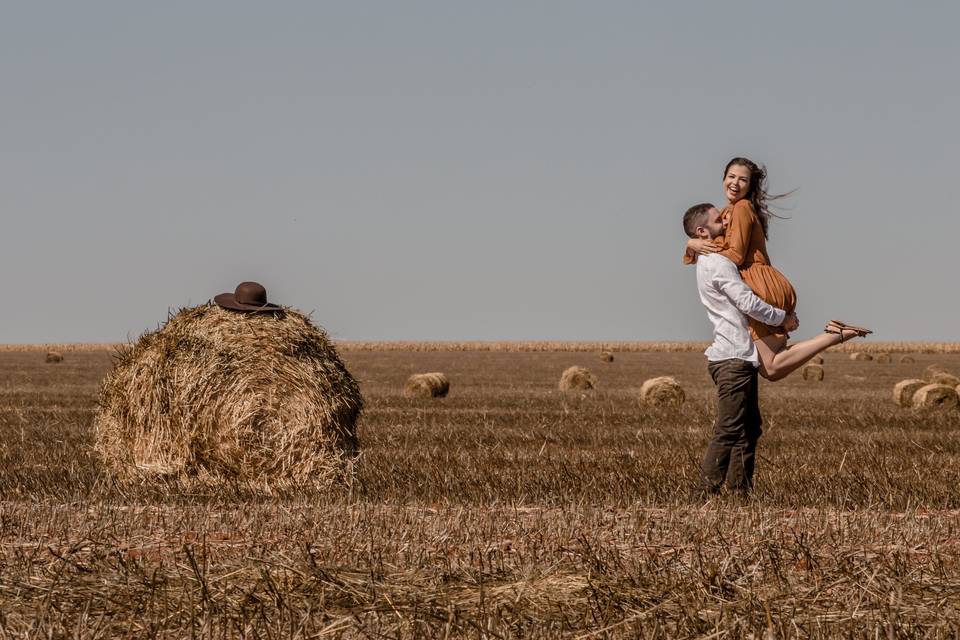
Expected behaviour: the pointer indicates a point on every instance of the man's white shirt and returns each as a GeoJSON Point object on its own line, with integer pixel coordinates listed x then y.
{"type": "Point", "coordinates": [729, 301]}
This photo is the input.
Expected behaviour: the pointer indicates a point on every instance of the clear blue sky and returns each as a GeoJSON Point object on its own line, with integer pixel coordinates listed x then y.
{"type": "Point", "coordinates": [482, 170]}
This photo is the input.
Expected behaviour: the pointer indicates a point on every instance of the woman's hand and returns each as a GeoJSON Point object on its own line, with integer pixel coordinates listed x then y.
{"type": "Point", "coordinates": [700, 247]}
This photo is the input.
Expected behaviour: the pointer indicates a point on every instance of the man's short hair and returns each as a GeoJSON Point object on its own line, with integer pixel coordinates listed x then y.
{"type": "Point", "coordinates": [696, 216]}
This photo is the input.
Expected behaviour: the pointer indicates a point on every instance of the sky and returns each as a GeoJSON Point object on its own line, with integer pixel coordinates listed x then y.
{"type": "Point", "coordinates": [470, 170]}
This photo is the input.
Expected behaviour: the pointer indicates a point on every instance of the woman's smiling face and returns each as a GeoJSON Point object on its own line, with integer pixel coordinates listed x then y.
{"type": "Point", "coordinates": [736, 183]}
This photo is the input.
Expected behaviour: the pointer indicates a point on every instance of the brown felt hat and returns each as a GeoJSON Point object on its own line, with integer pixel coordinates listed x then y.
{"type": "Point", "coordinates": [248, 296]}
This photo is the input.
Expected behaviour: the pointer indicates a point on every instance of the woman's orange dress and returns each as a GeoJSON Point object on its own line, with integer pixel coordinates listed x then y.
{"type": "Point", "coordinates": [745, 245]}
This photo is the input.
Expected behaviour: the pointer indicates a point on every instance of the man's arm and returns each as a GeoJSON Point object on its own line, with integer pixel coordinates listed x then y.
{"type": "Point", "coordinates": [728, 280]}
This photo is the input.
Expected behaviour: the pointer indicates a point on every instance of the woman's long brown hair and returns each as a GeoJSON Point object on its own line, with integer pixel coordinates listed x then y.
{"type": "Point", "coordinates": [757, 193]}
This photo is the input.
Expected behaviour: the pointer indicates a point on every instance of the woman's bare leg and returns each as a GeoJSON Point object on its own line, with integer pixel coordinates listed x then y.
{"type": "Point", "coordinates": [777, 360]}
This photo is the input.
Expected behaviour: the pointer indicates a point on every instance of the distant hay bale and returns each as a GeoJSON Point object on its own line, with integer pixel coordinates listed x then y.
{"type": "Point", "coordinates": [883, 358]}
{"type": "Point", "coordinates": [577, 378]}
{"type": "Point", "coordinates": [945, 378]}
{"type": "Point", "coordinates": [54, 356]}
{"type": "Point", "coordinates": [661, 391]}
{"type": "Point", "coordinates": [812, 372]}
{"type": "Point", "coordinates": [816, 360]}
{"type": "Point", "coordinates": [217, 394]}
{"type": "Point", "coordinates": [904, 391]}
{"type": "Point", "coordinates": [907, 360]}
{"type": "Point", "coordinates": [933, 370]}
{"type": "Point", "coordinates": [606, 356]}
{"type": "Point", "coordinates": [427, 385]}
{"type": "Point", "coordinates": [939, 396]}
{"type": "Point", "coordinates": [860, 355]}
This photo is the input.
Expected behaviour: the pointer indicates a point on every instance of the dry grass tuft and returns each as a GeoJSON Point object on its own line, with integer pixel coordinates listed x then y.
{"type": "Point", "coordinates": [904, 391]}
{"type": "Point", "coordinates": [54, 356]}
{"type": "Point", "coordinates": [606, 356]}
{"type": "Point", "coordinates": [861, 355]}
{"type": "Point", "coordinates": [577, 379]}
{"type": "Point", "coordinates": [816, 360]}
{"type": "Point", "coordinates": [217, 394]}
{"type": "Point", "coordinates": [427, 385]}
{"type": "Point", "coordinates": [812, 372]}
{"type": "Point", "coordinates": [939, 396]}
{"type": "Point", "coordinates": [883, 358]}
{"type": "Point", "coordinates": [908, 359]}
{"type": "Point", "coordinates": [662, 391]}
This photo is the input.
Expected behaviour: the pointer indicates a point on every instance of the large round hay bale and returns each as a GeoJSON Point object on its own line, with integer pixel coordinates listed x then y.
{"type": "Point", "coordinates": [812, 372]}
{"type": "Point", "coordinates": [883, 358]}
{"type": "Point", "coordinates": [860, 355]}
{"type": "Point", "coordinates": [577, 379]}
{"type": "Point", "coordinates": [259, 397]}
{"type": "Point", "coordinates": [661, 391]}
{"type": "Point", "coordinates": [933, 370]}
{"type": "Point", "coordinates": [816, 360]}
{"type": "Point", "coordinates": [606, 356]}
{"type": "Point", "coordinates": [945, 378]}
{"type": "Point", "coordinates": [427, 385]}
{"type": "Point", "coordinates": [938, 396]}
{"type": "Point", "coordinates": [907, 360]}
{"type": "Point", "coordinates": [54, 356]}
{"type": "Point", "coordinates": [904, 391]}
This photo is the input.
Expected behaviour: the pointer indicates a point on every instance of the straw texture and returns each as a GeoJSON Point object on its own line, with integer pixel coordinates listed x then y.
{"type": "Point", "coordinates": [219, 394]}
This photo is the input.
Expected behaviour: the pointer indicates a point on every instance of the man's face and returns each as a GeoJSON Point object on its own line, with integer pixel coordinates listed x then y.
{"type": "Point", "coordinates": [713, 227]}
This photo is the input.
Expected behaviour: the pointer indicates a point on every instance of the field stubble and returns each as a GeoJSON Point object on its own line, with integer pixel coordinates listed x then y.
{"type": "Point", "coordinates": [506, 509]}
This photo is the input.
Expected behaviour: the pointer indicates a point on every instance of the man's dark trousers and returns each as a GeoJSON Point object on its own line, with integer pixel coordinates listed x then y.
{"type": "Point", "coordinates": [730, 454]}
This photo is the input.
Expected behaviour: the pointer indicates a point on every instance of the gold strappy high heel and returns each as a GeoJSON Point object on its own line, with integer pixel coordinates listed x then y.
{"type": "Point", "coordinates": [837, 327]}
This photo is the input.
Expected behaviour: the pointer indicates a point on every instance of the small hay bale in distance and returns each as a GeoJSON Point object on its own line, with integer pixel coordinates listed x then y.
{"type": "Point", "coordinates": [54, 356]}
{"type": "Point", "coordinates": [907, 360]}
{"type": "Point", "coordinates": [860, 355]}
{"type": "Point", "coordinates": [945, 378]}
{"type": "Point", "coordinates": [816, 360]}
{"type": "Point", "coordinates": [577, 379]}
{"type": "Point", "coordinates": [664, 390]}
{"type": "Point", "coordinates": [883, 358]}
{"type": "Point", "coordinates": [939, 396]}
{"type": "Point", "coordinates": [606, 356]}
{"type": "Point", "coordinates": [427, 385]}
{"type": "Point", "coordinates": [904, 391]}
{"type": "Point", "coordinates": [933, 370]}
{"type": "Point", "coordinates": [812, 372]}
{"type": "Point", "coordinates": [216, 394]}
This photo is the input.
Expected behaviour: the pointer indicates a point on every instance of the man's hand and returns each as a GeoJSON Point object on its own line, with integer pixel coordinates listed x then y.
{"type": "Point", "coordinates": [791, 322]}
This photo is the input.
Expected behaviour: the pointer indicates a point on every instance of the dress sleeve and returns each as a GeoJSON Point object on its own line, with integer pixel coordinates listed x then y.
{"type": "Point", "coordinates": [737, 238]}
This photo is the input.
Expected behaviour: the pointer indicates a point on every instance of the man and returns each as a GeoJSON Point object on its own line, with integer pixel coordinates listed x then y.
{"type": "Point", "coordinates": [732, 358]}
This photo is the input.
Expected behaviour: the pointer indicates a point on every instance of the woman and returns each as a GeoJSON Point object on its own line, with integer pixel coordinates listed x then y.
{"type": "Point", "coordinates": [745, 243]}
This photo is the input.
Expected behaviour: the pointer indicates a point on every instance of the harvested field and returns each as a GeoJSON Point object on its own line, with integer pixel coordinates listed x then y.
{"type": "Point", "coordinates": [510, 509]}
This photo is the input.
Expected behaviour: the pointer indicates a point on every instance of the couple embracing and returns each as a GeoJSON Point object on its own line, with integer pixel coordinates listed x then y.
{"type": "Point", "coordinates": [752, 307]}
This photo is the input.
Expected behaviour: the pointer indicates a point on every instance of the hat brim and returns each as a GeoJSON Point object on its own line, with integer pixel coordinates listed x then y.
{"type": "Point", "coordinates": [229, 301]}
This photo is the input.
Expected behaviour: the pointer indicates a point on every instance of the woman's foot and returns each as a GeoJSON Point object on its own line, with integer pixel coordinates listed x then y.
{"type": "Point", "coordinates": [861, 332]}
{"type": "Point", "coordinates": [845, 331]}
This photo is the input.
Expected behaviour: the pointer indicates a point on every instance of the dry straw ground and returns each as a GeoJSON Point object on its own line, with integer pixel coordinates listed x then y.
{"type": "Point", "coordinates": [507, 509]}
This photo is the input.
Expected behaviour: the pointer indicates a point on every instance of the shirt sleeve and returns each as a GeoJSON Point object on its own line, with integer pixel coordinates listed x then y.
{"type": "Point", "coordinates": [728, 280]}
